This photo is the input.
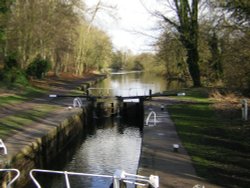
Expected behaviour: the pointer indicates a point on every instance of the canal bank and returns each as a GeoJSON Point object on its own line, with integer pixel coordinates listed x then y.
{"type": "Point", "coordinates": [35, 144]}
{"type": "Point", "coordinates": [162, 152]}
{"type": "Point", "coordinates": [38, 144]}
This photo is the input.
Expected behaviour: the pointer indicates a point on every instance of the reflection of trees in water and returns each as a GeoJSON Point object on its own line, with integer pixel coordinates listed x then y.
{"type": "Point", "coordinates": [104, 137]}
{"type": "Point", "coordinates": [143, 80]}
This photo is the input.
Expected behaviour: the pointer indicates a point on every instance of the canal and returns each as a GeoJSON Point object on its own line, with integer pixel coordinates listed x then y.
{"type": "Point", "coordinates": [108, 143]}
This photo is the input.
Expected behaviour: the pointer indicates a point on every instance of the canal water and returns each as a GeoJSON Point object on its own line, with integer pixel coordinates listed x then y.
{"type": "Point", "coordinates": [109, 143]}
{"type": "Point", "coordinates": [128, 83]}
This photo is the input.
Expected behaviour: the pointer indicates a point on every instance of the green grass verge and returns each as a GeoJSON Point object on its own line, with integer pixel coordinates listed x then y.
{"type": "Point", "coordinates": [19, 94]}
{"type": "Point", "coordinates": [11, 99]}
{"type": "Point", "coordinates": [220, 150]}
{"type": "Point", "coordinates": [18, 121]}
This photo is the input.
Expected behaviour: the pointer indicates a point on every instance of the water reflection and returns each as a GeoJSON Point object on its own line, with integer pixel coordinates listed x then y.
{"type": "Point", "coordinates": [138, 83]}
{"type": "Point", "coordinates": [112, 144]}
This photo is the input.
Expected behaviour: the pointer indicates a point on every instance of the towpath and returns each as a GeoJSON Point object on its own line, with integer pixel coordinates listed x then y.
{"type": "Point", "coordinates": [174, 169]}
{"type": "Point", "coordinates": [31, 119]}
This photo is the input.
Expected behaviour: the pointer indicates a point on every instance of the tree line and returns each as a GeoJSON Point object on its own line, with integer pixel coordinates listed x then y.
{"type": "Point", "coordinates": [206, 42]}
{"type": "Point", "coordinates": [51, 35]}
{"type": "Point", "coordinates": [57, 36]}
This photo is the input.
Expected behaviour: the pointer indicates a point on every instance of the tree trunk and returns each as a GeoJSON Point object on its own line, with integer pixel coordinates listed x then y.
{"type": "Point", "coordinates": [193, 66]}
{"type": "Point", "coordinates": [187, 26]}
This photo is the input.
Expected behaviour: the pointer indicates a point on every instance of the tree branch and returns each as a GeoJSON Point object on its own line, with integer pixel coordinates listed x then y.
{"type": "Point", "coordinates": [168, 20]}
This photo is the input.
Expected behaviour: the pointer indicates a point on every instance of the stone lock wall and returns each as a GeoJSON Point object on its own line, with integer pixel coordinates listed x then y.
{"type": "Point", "coordinates": [39, 153]}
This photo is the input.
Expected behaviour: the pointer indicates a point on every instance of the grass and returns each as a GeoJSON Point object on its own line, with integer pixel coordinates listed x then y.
{"type": "Point", "coordinates": [11, 99]}
{"type": "Point", "coordinates": [11, 95]}
{"type": "Point", "coordinates": [19, 94]}
{"type": "Point", "coordinates": [17, 122]}
{"type": "Point", "coordinates": [194, 94]}
{"type": "Point", "coordinates": [219, 147]}
{"type": "Point", "coordinates": [19, 119]}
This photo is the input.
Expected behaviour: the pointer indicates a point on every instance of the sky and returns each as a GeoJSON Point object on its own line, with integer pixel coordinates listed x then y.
{"type": "Point", "coordinates": [132, 20]}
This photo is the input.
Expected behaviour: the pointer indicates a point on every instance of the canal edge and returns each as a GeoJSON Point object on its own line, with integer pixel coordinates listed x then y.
{"type": "Point", "coordinates": [158, 155]}
{"type": "Point", "coordinates": [33, 152]}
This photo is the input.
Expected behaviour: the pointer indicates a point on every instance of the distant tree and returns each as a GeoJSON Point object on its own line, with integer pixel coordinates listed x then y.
{"type": "Point", "coordinates": [98, 51]}
{"type": "Point", "coordinates": [117, 61]}
{"type": "Point", "coordinates": [138, 65]}
{"type": "Point", "coordinates": [92, 41]}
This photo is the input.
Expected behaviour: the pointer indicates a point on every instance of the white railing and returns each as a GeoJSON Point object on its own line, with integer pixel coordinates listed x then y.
{"type": "Point", "coordinates": [118, 177]}
{"type": "Point", "coordinates": [149, 116]}
{"type": "Point", "coordinates": [2, 145]}
{"type": "Point", "coordinates": [118, 92]}
{"type": "Point", "coordinates": [121, 175]}
{"type": "Point", "coordinates": [77, 102]}
{"type": "Point", "coordinates": [100, 91]}
{"type": "Point", "coordinates": [134, 92]}
{"type": "Point", "coordinates": [244, 104]}
{"type": "Point", "coordinates": [65, 173]}
{"type": "Point", "coordinates": [14, 179]}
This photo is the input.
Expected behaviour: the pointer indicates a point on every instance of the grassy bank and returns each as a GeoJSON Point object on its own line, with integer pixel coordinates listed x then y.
{"type": "Point", "coordinates": [216, 139]}
{"type": "Point", "coordinates": [21, 106]}
{"type": "Point", "coordinates": [18, 121]}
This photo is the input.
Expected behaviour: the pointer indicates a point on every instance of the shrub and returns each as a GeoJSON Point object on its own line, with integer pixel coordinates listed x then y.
{"type": "Point", "coordinates": [11, 62]}
{"type": "Point", "coordinates": [38, 68]}
{"type": "Point", "coordinates": [13, 76]}
{"type": "Point", "coordinates": [12, 73]}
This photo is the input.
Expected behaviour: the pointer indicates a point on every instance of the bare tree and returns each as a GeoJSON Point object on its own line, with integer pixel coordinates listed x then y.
{"type": "Point", "coordinates": [186, 26]}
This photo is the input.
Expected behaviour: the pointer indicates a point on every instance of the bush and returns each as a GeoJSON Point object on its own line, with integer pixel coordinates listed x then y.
{"type": "Point", "coordinates": [38, 68]}
{"type": "Point", "coordinates": [12, 73]}
{"type": "Point", "coordinates": [10, 62]}
{"type": "Point", "coordinates": [13, 76]}
{"type": "Point", "coordinates": [236, 65]}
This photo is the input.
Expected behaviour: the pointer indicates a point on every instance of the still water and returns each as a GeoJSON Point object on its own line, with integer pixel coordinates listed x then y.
{"type": "Point", "coordinates": [112, 144]}
{"type": "Point", "coordinates": [125, 83]}
{"type": "Point", "coordinates": [109, 143]}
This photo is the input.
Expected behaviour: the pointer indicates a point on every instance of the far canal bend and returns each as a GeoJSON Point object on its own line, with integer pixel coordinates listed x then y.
{"type": "Point", "coordinates": [107, 144]}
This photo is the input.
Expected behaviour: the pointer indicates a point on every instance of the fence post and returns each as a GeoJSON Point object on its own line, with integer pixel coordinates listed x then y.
{"type": "Point", "coordinates": [244, 109]}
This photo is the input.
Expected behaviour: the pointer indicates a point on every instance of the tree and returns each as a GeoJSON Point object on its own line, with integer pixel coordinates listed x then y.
{"type": "Point", "coordinates": [93, 50]}
{"type": "Point", "coordinates": [234, 37]}
{"type": "Point", "coordinates": [92, 41]}
{"type": "Point", "coordinates": [117, 61]}
{"type": "Point", "coordinates": [42, 27]}
{"type": "Point", "coordinates": [236, 64]}
{"type": "Point", "coordinates": [59, 32]}
{"type": "Point", "coordinates": [187, 28]}
{"type": "Point", "coordinates": [4, 10]}
{"type": "Point", "coordinates": [239, 9]}
{"type": "Point", "coordinates": [211, 36]}
{"type": "Point", "coordinates": [172, 53]}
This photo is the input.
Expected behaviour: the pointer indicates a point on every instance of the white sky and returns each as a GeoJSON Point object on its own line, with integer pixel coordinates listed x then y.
{"type": "Point", "coordinates": [133, 18]}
